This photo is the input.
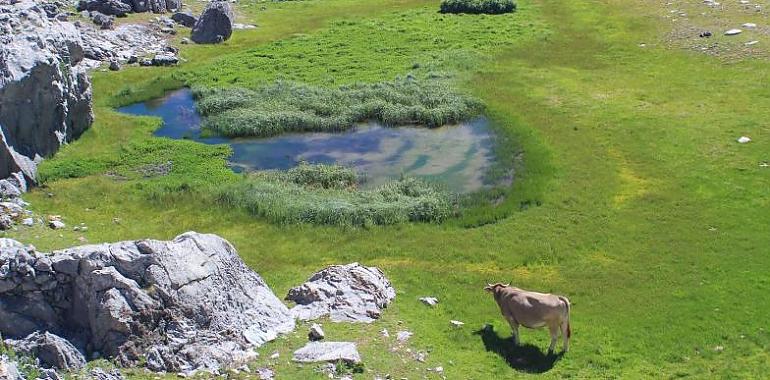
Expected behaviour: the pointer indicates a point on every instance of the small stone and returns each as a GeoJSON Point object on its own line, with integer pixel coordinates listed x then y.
{"type": "Point", "coordinates": [114, 65]}
{"type": "Point", "coordinates": [744, 140]}
{"type": "Point", "coordinates": [403, 336]}
{"type": "Point", "coordinates": [275, 355]}
{"type": "Point", "coordinates": [751, 43]}
{"type": "Point", "coordinates": [749, 25]}
{"type": "Point", "coordinates": [430, 301]}
{"type": "Point", "coordinates": [28, 222]}
{"type": "Point", "coordinates": [385, 333]}
{"type": "Point", "coordinates": [56, 224]}
{"type": "Point", "coordinates": [719, 348]}
{"type": "Point", "coordinates": [733, 32]}
{"type": "Point", "coordinates": [265, 373]}
{"type": "Point", "coordinates": [456, 323]}
{"type": "Point", "coordinates": [316, 332]}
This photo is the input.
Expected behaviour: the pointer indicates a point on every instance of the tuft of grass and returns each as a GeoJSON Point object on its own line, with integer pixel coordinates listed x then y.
{"type": "Point", "coordinates": [294, 107]}
{"type": "Point", "coordinates": [323, 176]}
{"type": "Point", "coordinates": [478, 6]}
{"type": "Point", "coordinates": [326, 195]}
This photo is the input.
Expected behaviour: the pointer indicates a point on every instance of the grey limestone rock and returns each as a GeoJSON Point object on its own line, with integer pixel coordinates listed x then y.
{"type": "Point", "coordinates": [188, 304]}
{"type": "Point", "coordinates": [314, 352]}
{"type": "Point", "coordinates": [346, 293]}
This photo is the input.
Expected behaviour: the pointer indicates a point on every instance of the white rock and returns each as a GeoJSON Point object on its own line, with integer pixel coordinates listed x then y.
{"type": "Point", "coordinates": [327, 352]}
{"type": "Point", "coordinates": [430, 301]}
{"type": "Point", "coordinates": [744, 139]}
{"type": "Point", "coordinates": [749, 25]}
{"type": "Point", "coordinates": [456, 323]}
{"type": "Point", "coordinates": [265, 373]}
{"type": "Point", "coordinates": [403, 336]}
{"type": "Point", "coordinates": [316, 332]}
{"type": "Point", "coordinates": [733, 32]}
{"type": "Point", "coordinates": [56, 224]}
{"type": "Point", "coordinates": [751, 43]}
{"type": "Point", "coordinates": [345, 293]}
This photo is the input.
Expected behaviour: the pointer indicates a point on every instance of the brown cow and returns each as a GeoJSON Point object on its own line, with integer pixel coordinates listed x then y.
{"type": "Point", "coordinates": [533, 310]}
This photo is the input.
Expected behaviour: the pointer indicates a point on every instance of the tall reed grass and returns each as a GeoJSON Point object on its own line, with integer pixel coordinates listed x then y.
{"type": "Point", "coordinates": [327, 195]}
{"type": "Point", "coordinates": [284, 106]}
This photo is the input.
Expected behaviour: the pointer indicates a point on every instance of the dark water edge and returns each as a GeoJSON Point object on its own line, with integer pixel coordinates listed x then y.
{"type": "Point", "coordinates": [455, 156]}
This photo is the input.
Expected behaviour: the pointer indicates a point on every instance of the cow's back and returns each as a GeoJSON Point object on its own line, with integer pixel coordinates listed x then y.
{"type": "Point", "coordinates": [530, 309]}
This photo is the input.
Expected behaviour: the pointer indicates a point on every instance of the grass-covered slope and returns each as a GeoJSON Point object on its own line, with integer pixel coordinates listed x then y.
{"type": "Point", "coordinates": [284, 107]}
{"type": "Point", "coordinates": [642, 209]}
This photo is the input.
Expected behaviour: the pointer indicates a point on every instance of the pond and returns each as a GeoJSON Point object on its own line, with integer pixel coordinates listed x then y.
{"type": "Point", "coordinates": [455, 156]}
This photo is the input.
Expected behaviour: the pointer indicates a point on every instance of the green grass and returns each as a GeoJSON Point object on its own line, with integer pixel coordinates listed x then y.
{"type": "Point", "coordinates": [632, 197]}
{"type": "Point", "coordinates": [285, 107]}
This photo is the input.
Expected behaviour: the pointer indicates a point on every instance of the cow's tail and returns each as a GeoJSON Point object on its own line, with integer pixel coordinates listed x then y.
{"type": "Point", "coordinates": [566, 303]}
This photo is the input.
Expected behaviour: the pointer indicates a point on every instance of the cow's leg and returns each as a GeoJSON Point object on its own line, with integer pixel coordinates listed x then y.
{"type": "Point", "coordinates": [514, 330]}
{"type": "Point", "coordinates": [554, 329]}
{"type": "Point", "coordinates": [565, 334]}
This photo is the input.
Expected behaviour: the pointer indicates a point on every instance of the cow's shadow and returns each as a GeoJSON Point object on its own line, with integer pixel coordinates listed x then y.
{"type": "Point", "coordinates": [523, 357]}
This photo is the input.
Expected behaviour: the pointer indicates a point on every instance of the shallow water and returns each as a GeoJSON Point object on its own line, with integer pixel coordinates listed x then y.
{"type": "Point", "coordinates": [455, 156]}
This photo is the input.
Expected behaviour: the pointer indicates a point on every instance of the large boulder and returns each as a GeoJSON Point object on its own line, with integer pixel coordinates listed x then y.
{"type": "Point", "coordinates": [115, 8]}
{"type": "Point", "coordinates": [45, 94]}
{"type": "Point", "coordinates": [183, 305]}
{"type": "Point", "coordinates": [346, 293]}
{"type": "Point", "coordinates": [184, 19]}
{"type": "Point", "coordinates": [215, 24]}
{"type": "Point", "coordinates": [51, 350]}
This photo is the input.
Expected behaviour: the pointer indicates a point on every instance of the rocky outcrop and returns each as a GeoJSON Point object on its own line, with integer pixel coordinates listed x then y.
{"type": "Point", "coordinates": [215, 24]}
{"type": "Point", "coordinates": [183, 305]}
{"type": "Point", "coordinates": [45, 94]}
{"type": "Point", "coordinates": [346, 293]}
{"type": "Point", "coordinates": [51, 351]}
{"type": "Point", "coordinates": [121, 44]}
{"type": "Point", "coordinates": [120, 8]}
{"type": "Point", "coordinates": [108, 7]}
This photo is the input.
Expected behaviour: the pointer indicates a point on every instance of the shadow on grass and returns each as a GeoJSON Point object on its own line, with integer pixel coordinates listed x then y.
{"type": "Point", "coordinates": [524, 357]}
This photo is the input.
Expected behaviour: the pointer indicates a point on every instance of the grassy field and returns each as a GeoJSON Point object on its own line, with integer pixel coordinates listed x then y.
{"type": "Point", "coordinates": [633, 200]}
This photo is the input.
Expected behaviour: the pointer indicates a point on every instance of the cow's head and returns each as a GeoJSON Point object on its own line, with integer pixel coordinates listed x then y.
{"type": "Point", "coordinates": [493, 287]}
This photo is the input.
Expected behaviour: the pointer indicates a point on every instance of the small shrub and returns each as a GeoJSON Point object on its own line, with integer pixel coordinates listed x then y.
{"type": "Point", "coordinates": [478, 6]}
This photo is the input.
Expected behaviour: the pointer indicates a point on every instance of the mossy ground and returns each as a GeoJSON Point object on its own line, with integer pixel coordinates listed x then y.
{"type": "Point", "coordinates": [633, 198]}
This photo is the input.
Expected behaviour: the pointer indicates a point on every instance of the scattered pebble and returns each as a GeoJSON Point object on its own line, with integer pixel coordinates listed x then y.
{"type": "Point", "coordinates": [265, 373]}
{"type": "Point", "coordinates": [403, 336]}
{"type": "Point", "coordinates": [275, 355]}
{"type": "Point", "coordinates": [430, 301]}
{"type": "Point", "coordinates": [56, 224]}
{"type": "Point", "coordinates": [456, 323]}
{"type": "Point", "coordinates": [744, 139]}
{"type": "Point", "coordinates": [385, 333]}
{"type": "Point", "coordinates": [749, 25]}
{"type": "Point", "coordinates": [733, 32]}
{"type": "Point", "coordinates": [750, 43]}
